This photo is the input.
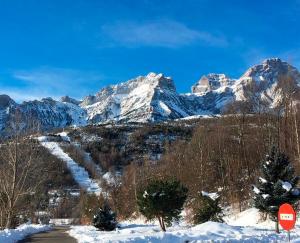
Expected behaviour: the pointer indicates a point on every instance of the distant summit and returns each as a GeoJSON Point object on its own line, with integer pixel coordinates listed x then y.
{"type": "Point", "coordinates": [211, 82]}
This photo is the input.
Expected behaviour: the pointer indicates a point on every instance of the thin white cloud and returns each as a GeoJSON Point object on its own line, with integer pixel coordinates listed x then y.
{"type": "Point", "coordinates": [57, 77]}
{"type": "Point", "coordinates": [161, 33]}
{"type": "Point", "coordinates": [53, 82]}
{"type": "Point", "coordinates": [27, 94]}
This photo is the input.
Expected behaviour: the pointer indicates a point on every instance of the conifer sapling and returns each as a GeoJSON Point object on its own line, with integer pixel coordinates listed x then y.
{"type": "Point", "coordinates": [162, 200]}
{"type": "Point", "coordinates": [105, 219]}
{"type": "Point", "coordinates": [276, 186]}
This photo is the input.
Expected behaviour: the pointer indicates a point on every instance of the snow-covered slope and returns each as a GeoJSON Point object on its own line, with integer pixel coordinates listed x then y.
{"type": "Point", "coordinates": [79, 173]}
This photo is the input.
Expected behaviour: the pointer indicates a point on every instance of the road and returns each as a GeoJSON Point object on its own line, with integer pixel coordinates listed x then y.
{"type": "Point", "coordinates": [57, 235]}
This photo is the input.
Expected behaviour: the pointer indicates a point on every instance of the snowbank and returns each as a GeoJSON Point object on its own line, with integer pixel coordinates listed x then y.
{"type": "Point", "coordinates": [249, 217]}
{"type": "Point", "coordinates": [241, 227]}
{"type": "Point", "coordinates": [207, 232]}
{"type": "Point", "coordinates": [14, 235]}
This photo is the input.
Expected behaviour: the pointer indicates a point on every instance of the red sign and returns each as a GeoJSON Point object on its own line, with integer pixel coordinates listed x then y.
{"type": "Point", "coordinates": [287, 216]}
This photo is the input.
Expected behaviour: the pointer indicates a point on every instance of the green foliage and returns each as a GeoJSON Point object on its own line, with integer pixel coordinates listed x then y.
{"type": "Point", "coordinates": [208, 209]}
{"type": "Point", "coordinates": [278, 184]}
{"type": "Point", "coordinates": [163, 200]}
{"type": "Point", "coordinates": [105, 219]}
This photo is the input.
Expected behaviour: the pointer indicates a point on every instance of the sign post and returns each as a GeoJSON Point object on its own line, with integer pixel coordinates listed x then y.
{"type": "Point", "coordinates": [287, 217]}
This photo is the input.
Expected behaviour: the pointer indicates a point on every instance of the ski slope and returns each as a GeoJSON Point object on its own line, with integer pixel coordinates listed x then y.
{"type": "Point", "coordinates": [80, 175]}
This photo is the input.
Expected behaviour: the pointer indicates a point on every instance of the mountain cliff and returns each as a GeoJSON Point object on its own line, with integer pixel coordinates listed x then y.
{"type": "Point", "coordinates": [145, 98]}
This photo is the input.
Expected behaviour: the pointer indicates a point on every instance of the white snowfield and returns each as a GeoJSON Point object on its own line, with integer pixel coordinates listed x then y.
{"type": "Point", "coordinates": [20, 233]}
{"type": "Point", "coordinates": [243, 227]}
{"type": "Point", "coordinates": [80, 175]}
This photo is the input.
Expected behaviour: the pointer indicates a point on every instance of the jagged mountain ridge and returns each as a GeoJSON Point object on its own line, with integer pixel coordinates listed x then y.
{"type": "Point", "coordinates": [152, 98]}
{"type": "Point", "coordinates": [149, 98]}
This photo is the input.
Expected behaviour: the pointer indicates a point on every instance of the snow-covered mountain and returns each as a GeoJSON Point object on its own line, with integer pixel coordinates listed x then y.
{"type": "Point", "coordinates": [266, 81]}
{"type": "Point", "coordinates": [154, 98]}
{"type": "Point", "coordinates": [45, 114]}
{"type": "Point", "coordinates": [145, 98]}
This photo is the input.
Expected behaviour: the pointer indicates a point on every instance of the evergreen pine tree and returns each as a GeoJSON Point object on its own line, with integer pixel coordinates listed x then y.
{"type": "Point", "coordinates": [105, 219]}
{"type": "Point", "coordinates": [162, 200]}
{"type": "Point", "coordinates": [206, 208]}
{"type": "Point", "coordinates": [276, 186]}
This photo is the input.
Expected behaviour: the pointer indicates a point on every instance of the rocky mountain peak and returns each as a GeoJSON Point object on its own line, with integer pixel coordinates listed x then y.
{"type": "Point", "coordinates": [273, 61]}
{"type": "Point", "coordinates": [264, 79]}
{"type": "Point", "coordinates": [6, 101]}
{"type": "Point", "coordinates": [270, 70]}
{"type": "Point", "coordinates": [211, 82]}
{"type": "Point", "coordinates": [160, 81]}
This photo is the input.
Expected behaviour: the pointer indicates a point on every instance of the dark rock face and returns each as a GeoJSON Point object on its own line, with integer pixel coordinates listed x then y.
{"type": "Point", "coordinates": [6, 101]}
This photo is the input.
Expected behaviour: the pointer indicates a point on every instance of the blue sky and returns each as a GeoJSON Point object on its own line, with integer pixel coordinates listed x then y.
{"type": "Point", "coordinates": [76, 47]}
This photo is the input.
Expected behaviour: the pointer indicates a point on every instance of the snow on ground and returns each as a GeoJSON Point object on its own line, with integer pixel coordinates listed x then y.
{"type": "Point", "coordinates": [14, 235]}
{"type": "Point", "coordinates": [249, 217]}
{"type": "Point", "coordinates": [208, 115]}
{"type": "Point", "coordinates": [242, 227]}
{"type": "Point", "coordinates": [80, 175]}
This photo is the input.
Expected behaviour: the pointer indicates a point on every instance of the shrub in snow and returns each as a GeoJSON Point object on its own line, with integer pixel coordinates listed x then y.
{"type": "Point", "coordinates": [276, 186]}
{"type": "Point", "coordinates": [162, 200]}
{"type": "Point", "coordinates": [105, 219]}
{"type": "Point", "coordinates": [206, 208]}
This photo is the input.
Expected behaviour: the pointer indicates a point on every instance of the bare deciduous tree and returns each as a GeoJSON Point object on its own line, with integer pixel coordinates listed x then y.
{"type": "Point", "coordinates": [18, 176]}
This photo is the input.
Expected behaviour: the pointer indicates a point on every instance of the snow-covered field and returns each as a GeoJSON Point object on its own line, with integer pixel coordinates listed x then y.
{"type": "Point", "coordinates": [14, 235]}
{"type": "Point", "coordinates": [243, 227]}
{"type": "Point", "coordinates": [80, 175]}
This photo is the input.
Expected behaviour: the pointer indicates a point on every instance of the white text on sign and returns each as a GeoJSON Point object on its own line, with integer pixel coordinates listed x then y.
{"type": "Point", "coordinates": [285, 216]}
